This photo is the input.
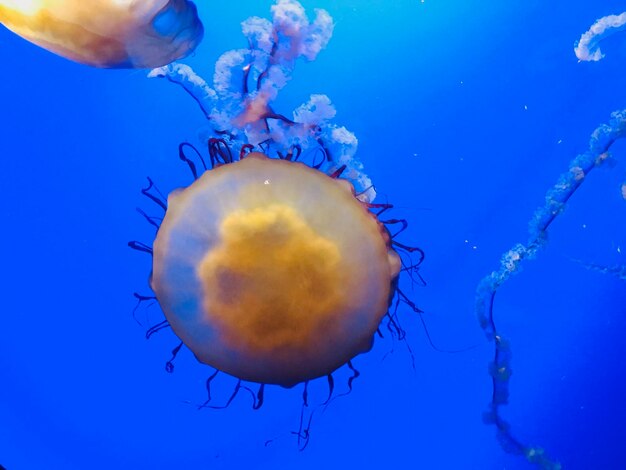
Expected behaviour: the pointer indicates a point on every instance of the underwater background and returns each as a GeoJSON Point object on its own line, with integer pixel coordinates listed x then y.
{"type": "Point", "coordinates": [466, 114]}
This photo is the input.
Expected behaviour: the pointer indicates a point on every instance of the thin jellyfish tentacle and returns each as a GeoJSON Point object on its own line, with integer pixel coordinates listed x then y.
{"type": "Point", "coordinates": [153, 193]}
{"type": "Point", "coordinates": [141, 299]}
{"type": "Point", "coordinates": [355, 374]}
{"type": "Point", "coordinates": [209, 382]}
{"type": "Point", "coordinates": [140, 246]}
{"type": "Point", "coordinates": [190, 163]}
{"type": "Point", "coordinates": [555, 202]}
{"type": "Point", "coordinates": [617, 270]}
{"type": "Point", "coordinates": [156, 328]}
{"type": "Point", "coordinates": [169, 365]}
{"type": "Point", "coordinates": [152, 220]}
{"type": "Point", "coordinates": [304, 428]}
{"type": "Point", "coordinates": [148, 192]}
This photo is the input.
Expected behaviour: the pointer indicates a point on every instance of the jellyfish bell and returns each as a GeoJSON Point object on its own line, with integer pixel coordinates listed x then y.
{"type": "Point", "coordinates": [108, 33]}
{"type": "Point", "coordinates": [272, 271]}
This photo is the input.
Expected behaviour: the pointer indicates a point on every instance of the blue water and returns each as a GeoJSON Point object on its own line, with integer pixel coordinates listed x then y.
{"type": "Point", "coordinates": [465, 116]}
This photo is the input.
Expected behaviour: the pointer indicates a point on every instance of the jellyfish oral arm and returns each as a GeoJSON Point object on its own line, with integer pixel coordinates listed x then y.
{"type": "Point", "coordinates": [555, 202]}
{"type": "Point", "coordinates": [587, 48]}
{"type": "Point", "coordinates": [246, 82]}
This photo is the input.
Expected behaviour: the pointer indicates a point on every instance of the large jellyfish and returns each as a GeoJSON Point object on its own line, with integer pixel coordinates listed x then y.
{"type": "Point", "coordinates": [108, 33]}
{"type": "Point", "coordinates": [269, 269]}
{"type": "Point", "coordinates": [272, 271]}
{"type": "Point", "coordinates": [556, 201]}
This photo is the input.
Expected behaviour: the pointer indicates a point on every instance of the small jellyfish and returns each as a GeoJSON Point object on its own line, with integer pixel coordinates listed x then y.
{"type": "Point", "coordinates": [108, 33]}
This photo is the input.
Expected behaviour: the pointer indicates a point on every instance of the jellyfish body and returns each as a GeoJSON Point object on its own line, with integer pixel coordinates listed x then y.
{"type": "Point", "coordinates": [272, 271]}
{"type": "Point", "coordinates": [107, 33]}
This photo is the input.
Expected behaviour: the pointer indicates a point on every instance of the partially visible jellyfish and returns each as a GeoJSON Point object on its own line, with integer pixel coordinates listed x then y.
{"type": "Point", "coordinates": [587, 48]}
{"type": "Point", "coordinates": [555, 203]}
{"type": "Point", "coordinates": [108, 33]}
{"type": "Point", "coordinates": [268, 269]}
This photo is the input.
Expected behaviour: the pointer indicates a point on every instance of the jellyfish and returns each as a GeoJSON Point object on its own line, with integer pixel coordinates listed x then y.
{"type": "Point", "coordinates": [108, 33]}
{"type": "Point", "coordinates": [274, 266]}
{"type": "Point", "coordinates": [556, 200]}
{"type": "Point", "coordinates": [272, 271]}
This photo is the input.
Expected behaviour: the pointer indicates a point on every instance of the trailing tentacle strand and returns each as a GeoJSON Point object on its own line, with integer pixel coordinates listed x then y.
{"type": "Point", "coordinates": [555, 202]}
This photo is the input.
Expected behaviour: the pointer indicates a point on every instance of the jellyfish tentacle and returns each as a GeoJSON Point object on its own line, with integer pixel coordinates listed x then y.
{"type": "Point", "coordinates": [383, 207]}
{"type": "Point", "coordinates": [156, 328]}
{"type": "Point", "coordinates": [409, 266]}
{"type": "Point", "coordinates": [169, 365]}
{"type": "Point", "coordinates": [294, 153]}
{"type": "Point", "coordinates": [409, 249]}
{"type": "Point", "coordinates": [395, 328]}
{"type": "Point", "coordinates": [304, 430]}
{"type": "Point", "coordinates": [208, 383]}
{"type": "Point", "coordinates": [403, 339]}
{"type": "Point", "coordinates": [140, 300]}
{"type": "Point", "coordinates": [355, 375]}
{"type": "Point", "coordinates": [260, 396]}
{"type": "Point", "coordinates": [140, 246]}
{"type": "Point", "coordinates": [555, 202]}
{"type": "Point", "coordinates": [245, 150]}
{"type": "Point", "coordinates": [219, 152]}
{"type": "Point", "coordinates": [617, 270]}
{"type": "Point", "coordinates": [157, 197]}
{"type": "Point", "coordinates": [192, 166]}
{"type": "Point", "coordinates": [338, 172]}
{"type": "Point", "coordinates": [230, 399]}
{"type": "Point", "coordinates": [403, 226]}
{"type": "Point", "coordinates": [154, 221]}
{"type": "Point", "coordinates": [331, 388]}
{"type": "Point", "coordinates": [257, 397]}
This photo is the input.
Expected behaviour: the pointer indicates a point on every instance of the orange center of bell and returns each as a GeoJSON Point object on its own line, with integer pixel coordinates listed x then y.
{"type": "Point", "coordinates": [272, 283]}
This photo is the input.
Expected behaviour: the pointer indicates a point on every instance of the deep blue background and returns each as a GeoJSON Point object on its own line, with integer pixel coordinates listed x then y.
{"type": "Point", "coordinates": [466, 113]}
